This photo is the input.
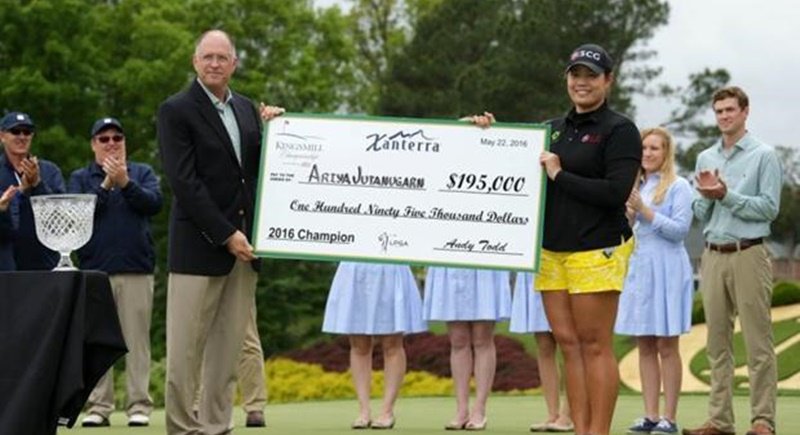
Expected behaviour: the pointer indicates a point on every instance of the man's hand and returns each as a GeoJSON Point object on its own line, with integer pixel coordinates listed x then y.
{"type": "Point", "coordinates": [551, 163]}
{"type": "Point", "coordinates": [483, 121]}
{"type": "Point", "coordinates": [7, 196]}
{"type": "Point", "coordinates": [116, 172]}
{"type": "Point", "coordinates": [239, 247]}
{"type": "Point", "coordinates": [710, 185]}
{"type": "Point", "coordinates": [270, 112]}
{"type": "Point", "coordinates": [29, 167]}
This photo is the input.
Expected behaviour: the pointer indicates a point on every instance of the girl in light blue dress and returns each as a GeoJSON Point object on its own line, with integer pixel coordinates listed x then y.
{"type": "Point", "coordinates": [471, 301]}
{"type": "Point", "coordinates": [656, 302]}
{"type": "Point", "coordinates": [527, 315]}
{"type": "Point", "coordinates": [371, 302]}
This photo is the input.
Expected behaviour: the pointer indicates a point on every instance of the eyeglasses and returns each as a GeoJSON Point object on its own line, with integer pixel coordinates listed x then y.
{"type": "Point", "coordinates": [105, 139]}
{"type": "Point", "coordinates": [20, 132]}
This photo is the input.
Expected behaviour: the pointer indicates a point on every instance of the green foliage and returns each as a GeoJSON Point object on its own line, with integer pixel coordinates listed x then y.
{"type": "Point", "coordinates": [783, 293]}
{"type": "Point", "coordinates": [158, 383]}
{"type": "Point", "coordinates": [688, 122]}
{"type": "Point", "coordinates": [291, 381]}
{"type": "Point", "coordinates": [291, 299]}
{"type": "Point", "coordinates": [508, 57]}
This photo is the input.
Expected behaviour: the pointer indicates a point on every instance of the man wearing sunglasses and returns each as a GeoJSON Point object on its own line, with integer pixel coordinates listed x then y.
{"type": "Point", "coordinates": [128, 195]}
{"type": "Point", "coordinates": [32, 177]}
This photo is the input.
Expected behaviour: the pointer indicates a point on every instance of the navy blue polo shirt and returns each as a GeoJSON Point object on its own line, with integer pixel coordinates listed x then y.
{"type": "Point", "coordinates": [121, 241]}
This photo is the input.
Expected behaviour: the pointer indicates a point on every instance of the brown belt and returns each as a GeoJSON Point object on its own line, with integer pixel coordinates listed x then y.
{"type": "Point", "coordinates": [741, 245]}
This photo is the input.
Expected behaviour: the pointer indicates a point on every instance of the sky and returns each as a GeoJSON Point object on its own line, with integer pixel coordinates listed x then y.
{"type": "Point", "coordinates": [756, 41]}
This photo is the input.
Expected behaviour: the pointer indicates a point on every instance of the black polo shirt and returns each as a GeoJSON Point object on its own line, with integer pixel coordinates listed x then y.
{"type": "Point", "coordinates": [600, 152]}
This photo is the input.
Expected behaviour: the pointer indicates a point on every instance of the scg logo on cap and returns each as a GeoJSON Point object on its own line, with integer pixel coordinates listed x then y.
{"type": "Point", "coordinates": [586, 53]}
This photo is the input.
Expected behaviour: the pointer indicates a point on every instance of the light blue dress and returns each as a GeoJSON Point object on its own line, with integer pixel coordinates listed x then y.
{"type": "Point", "coordinates": [373, 299]}
{"type": "Point", "coordinates": [527, 310]}
{"type": "Point", "coordinates": [466, 294]}
{"type": "Point", "coordinates": [657, 297]}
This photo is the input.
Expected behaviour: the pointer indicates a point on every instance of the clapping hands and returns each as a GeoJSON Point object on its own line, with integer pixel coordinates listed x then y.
{"type": "Point", "coordinates": [116, 173]}
{"type": "Point", "coordinates": [29, 168]}
{"type": "Point", "coordinates": [7, 196]}
{"type": "Point", "coordinates": [710, 185]}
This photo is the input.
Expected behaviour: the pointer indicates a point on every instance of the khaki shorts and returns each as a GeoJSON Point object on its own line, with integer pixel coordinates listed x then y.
{"type": "Point", "coordinates": [584, 271]}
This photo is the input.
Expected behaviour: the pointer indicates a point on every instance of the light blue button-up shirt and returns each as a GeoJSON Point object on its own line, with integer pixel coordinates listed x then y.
{"type": "Point", "coordinates": [225, 110]}
{"type": "Point", "coordinates": [752, 173]}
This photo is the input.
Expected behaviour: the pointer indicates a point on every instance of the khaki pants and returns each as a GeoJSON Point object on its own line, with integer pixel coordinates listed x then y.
{"type": "Point", "coordinates": [739, 283]}
{"type": "Point", "coordinates": [206, 319]}
{"type": "Point", "coordinates": [133, 296]}
{"type": "Point", "coordinates": [250, 371]}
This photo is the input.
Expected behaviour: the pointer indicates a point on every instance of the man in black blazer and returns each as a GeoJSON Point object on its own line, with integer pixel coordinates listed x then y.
{"type": "Point", "coordinates": [210, 143]}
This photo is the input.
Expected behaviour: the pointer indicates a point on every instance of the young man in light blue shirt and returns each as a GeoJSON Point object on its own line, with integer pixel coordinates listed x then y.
{"type": "Point", "coordinates": [738, 181]}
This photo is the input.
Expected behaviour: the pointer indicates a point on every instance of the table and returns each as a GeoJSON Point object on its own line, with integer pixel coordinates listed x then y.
{"type": "Point", "coordinates": [59, 333]}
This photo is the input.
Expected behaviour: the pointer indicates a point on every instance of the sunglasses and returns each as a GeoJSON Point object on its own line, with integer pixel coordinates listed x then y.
{"type": "Point", "coordinates": [20, 132]}
{"type": "Point", "coordinates": [105, 139]}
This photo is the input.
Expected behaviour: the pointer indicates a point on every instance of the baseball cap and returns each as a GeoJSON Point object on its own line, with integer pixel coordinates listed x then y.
{"type": "Point", "coordinates": [16, 119]}
{"type": "Point", "coordinates": [104, 123]}
{"type": "Point", "coordinates": [593, 57]}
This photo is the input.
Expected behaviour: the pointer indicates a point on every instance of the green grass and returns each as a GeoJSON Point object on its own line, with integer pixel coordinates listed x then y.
{"type": "Point", "coordinates": [788, 359]}
{"type": "Point", "coordinates": [423, 416]}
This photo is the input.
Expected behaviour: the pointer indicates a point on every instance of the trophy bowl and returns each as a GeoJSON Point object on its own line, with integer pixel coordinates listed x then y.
{"type": "Point", "coordinates": [64, 222]}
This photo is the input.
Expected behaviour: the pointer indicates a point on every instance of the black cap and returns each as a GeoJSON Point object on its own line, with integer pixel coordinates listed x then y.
{"type": "Point", "coordinates": [16, 119]}
{"type": "Point", "coordinates": [592, 56]}
{"type": "Point", "coordinates": [104, 123]}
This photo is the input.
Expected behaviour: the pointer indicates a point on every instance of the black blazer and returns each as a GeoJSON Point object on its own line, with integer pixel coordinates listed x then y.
{"type": "Point", "coordinates": [213, 195]}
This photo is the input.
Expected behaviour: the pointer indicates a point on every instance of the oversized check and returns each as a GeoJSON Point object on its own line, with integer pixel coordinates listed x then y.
{"type": "Point", "coordinates": [401, 190]}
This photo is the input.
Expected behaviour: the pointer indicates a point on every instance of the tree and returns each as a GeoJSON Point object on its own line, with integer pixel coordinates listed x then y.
{"type": "Point", "coordinates": [688, 122]}
{"type": "Point", "coordinates": [93, 58]}
{"type": "Point", "coordinates": [508, 56]}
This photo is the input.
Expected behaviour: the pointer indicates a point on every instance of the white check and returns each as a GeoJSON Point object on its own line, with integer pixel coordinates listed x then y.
{"type": "Point", "coordinates": [401, 191]}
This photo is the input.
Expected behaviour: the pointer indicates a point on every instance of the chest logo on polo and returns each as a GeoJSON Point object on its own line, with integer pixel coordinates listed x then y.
{"type": "Point", "coordinates": [554, 136]}
{"type": "Point", "coordinates": [593, 139]}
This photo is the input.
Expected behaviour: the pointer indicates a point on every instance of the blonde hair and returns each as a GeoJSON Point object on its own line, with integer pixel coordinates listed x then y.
{"type": "Point", "coordinates": [667, 169]}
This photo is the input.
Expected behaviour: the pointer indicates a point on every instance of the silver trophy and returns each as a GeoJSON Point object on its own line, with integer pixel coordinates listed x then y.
{"type": "Point", "coordinates": [64, 222]}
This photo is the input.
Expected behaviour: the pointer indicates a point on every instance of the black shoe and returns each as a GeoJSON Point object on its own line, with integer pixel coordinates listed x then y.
{"type": "Point", "coordinates": [255, 419]}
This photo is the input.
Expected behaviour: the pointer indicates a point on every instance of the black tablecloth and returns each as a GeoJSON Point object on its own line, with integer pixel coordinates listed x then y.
{"type": "Point", "coordinates": [59, 333]}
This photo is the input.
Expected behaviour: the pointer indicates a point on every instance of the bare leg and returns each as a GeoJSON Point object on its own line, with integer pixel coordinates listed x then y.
{"type": "Point", "coordinates": [600, 366]}
{"type": "Point", "coordinates": [461, 366]}
{"type": "Point", "coordinates": [558, 307]}
{"type": "Point", "coordinates": [650, 375]}
{"type": "Point", "coordinates": [394, 368]}
{"type": "Point", "coordinates": [485, 364]}
{"type": "Point", "coordinates": [548, 372]}
{"type": "Point", "coordinates": [361, 369]}
{"type": "Point", "coordinates": [671, 372]}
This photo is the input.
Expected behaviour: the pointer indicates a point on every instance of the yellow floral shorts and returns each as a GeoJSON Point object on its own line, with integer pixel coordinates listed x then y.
{"type": "Point", "coordinates": [584, 271]}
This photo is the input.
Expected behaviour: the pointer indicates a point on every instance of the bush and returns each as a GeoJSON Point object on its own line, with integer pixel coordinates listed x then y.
{"type": "Point", "coordinates": [785, 293]}
{"type": "Point", "coordinates": [516, 369]}
{"type": "Point", "coordinates": [292, 381]}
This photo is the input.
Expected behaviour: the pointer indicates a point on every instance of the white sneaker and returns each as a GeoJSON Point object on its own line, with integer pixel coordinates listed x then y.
{"type": "Point", "coordinates": [94, 420]}
{"type": "Point", "coordinates": [138, 419]}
